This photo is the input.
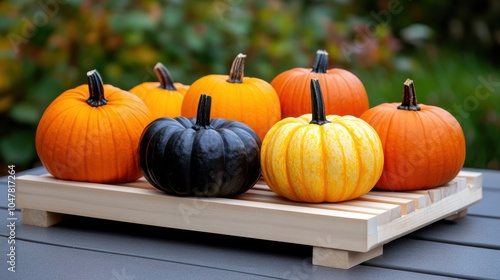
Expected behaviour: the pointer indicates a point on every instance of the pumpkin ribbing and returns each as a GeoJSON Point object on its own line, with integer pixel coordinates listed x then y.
{"type": "Point", "coordinates": [329, 159]}
{"type": "Point", "coordinates": [344, 93]}
{"type": "Point", "coordinates": [200, 156]}
{"type": "Point", "coordinates": [78, 134]}
{"type": "Point", "coordinates": [249, 100]}
{"type": "Point", "coordinates": [424, 145]}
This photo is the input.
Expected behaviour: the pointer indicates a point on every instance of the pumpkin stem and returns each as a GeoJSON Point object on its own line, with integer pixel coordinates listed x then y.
{"type": "Point", "coordinates": [203, 114]}
{"type": "Point", "coordinates": [321, 62]}
{"type": "Point", "coordinates": [318, 105]}
{"type": "Point", "coordinates": [164, 76]}
{"type": "Point", "coordinates": [96, 89]}
{"type": "Point", "coordinates": [237, 69]}
{"type": "Point", "coordinates": [409, 97]}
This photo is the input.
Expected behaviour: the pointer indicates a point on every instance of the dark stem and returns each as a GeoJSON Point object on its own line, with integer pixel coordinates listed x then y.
{"type": "Point", "coordinates": [203, 114]}
{"type": "Point", "coordinates": [166, 81]}
{"type": "Point", "coordinates": [318, 105]}
{"type": "Point", "coordinates": [409, 97]}
{"type": "Point", "coordinates": [321, 62]}
{"type": "Point", "coordinates": [96, 89]}
{"type": "Point", "coordinates": [237, 69]}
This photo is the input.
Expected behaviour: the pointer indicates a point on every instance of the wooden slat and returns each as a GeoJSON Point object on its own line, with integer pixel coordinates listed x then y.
{"type": "Point", "coordinates": [383, 215]}
{"type": "Point", "coordinates": [277, 222]}
{"type": "Point", "coordinates": [473, 179]}
{"type": "Point", "coordinates": [393, 209]}
{"type": "Point", "coordinates": [407, 205]}
{"type": "Point", "coordinates": [436, 194]}
{"type": "Point", "coordinates": [261, 185]}
{"type": "Point", "coordinates": [427, 215]}
{"type": "Point", "coordinates": [140, 183]}
{"type": "Point", "coordinates": [420, 200]}
{"type": "Point", "coordinates": [358, 225]}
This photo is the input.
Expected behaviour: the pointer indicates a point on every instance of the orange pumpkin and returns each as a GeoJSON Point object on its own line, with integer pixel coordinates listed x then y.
{"type": "Point", "coordinates": [91, 133]}
{"type": "Point", "coordinates": [344, 93]}
{"type": "Point", "coordinates": [424, 146]}
{"type": "Point", "coordinates": [164, 98]}
{"type": "Point", "coordinates": [251, 101]}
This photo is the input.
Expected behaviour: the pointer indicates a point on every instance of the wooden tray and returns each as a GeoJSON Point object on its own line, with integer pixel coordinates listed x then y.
{"type": "Point", "coordinates": [342, 234]}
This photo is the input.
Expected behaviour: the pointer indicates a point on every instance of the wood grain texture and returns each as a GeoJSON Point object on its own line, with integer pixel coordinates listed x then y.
{"type": "Point", "coordinates": [342, 259]}
{"type": "Point", "coordinates": [359, 225]}
{"type": "Point", "coordinates": [41, 218]}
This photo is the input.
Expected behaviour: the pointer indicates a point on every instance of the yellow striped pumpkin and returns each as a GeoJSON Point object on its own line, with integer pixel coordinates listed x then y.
{"type": "Point", "coordinates": [319, 158]}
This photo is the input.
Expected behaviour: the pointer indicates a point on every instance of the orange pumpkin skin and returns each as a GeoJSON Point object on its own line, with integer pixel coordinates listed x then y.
{"type": "Point", "coordinates": [423, 148]}
{"type": "Point", "coordinates": [163, 98]}
{"type": "Point", "coordinates": [251, 101]}
{"type": "Point", "coordinates": [82, 142]}
{"type": "Point", "coordinates": [344, 93]}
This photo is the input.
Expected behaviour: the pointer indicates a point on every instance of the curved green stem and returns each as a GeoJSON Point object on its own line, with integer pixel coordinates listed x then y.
{"type": "Point", "coordinates": [237, 69]}
{"type": "Point", "coordinates": [203, 114]}
{"type": "Point", "coordinates": [96, 89]}
{"type": "Point", "coordinates": [409, 97]}
{"type": "Point", "coordinates": [321, 62]}
{"type": "Point", "coordinates": [164, 76]}
{"type": "Point", "coordinates": [318, 104]}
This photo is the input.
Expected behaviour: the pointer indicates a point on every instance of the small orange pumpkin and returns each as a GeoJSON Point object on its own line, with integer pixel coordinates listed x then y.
{"type": "Point", "coordinates": [251, 101]}
{"type": "Point", "coordinates": [91, 133]}
{"type": "Point", "coordinates": [164, 98]}
{"type": "Point", "coordinates": [344, 93]}
{"type": "Point", "coordinates": [424, 146]}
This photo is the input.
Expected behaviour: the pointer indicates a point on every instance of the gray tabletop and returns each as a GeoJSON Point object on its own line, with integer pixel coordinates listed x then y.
{"type": "Point", "coordinates": [86, 248]}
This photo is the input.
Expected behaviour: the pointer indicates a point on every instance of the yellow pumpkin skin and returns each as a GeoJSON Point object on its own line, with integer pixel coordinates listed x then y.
{"type": "Point", "coordinates": [339, 160]}
{"type": "Point", "coordinates": [77, 141]}
{"type": "Point", "coordinates": [251, 101]}
{"type": "Point", "coordinates": [163, 98]}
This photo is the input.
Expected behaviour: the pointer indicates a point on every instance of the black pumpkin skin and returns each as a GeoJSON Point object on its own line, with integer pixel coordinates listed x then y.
{"type": "Point", "coordinates": [199, 157]}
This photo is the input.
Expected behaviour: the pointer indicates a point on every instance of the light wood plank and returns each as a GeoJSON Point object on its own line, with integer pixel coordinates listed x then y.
{"type": "Point", "coordinates": [261, 185]}
{"type": "Point", "coordinates": [420, 200]}
{"type": "Point", "coordinates": [473, 179]}
{"type": "Point", "coordinates": [140, 183]}
{"type": "Point", "coordinates": [350, 226]}
{"type": "Point", "coordinates": [342, 259]}
{"type": "Point", "coordinates": [427, 215]}
{"type": "Point", "coordinates": [434, 195]}
{"type": "Point", "coordinates": [393, 209]}
{"type": "Point", "coordinates": [407, 205]}
{"type": "Point", "coordinates": [383, 215]}
{"type": "Point", "coordinates": [41, 218]}
{"type": "Point", "coordinates": [285, 223]}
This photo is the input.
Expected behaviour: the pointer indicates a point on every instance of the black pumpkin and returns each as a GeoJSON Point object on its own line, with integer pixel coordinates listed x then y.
{"type": "Point", "coordinates": [199, 156]}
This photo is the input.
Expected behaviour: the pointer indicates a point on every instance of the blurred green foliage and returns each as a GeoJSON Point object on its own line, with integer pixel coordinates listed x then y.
{"type": "Point", "coordinates": [47, 46]}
